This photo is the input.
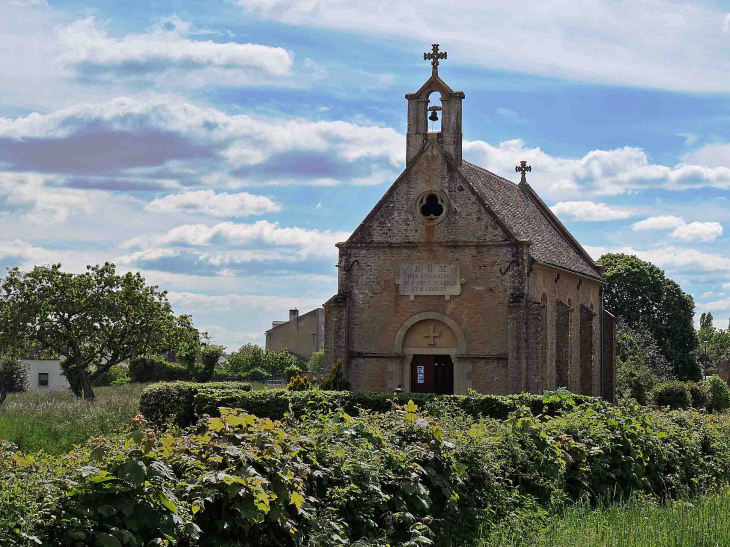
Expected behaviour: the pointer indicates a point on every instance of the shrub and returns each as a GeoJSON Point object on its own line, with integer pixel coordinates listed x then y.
{"type": "Point", "coordinates": [209, 357]}
{"type": "Point", "coordinates": [13, 375]}
{"type": "Point", "coordinates": [153, 368]}
{"type": "Point", "coordinates": [299, 383]}
{"type": "Point", "coordinates": [68, 369]}
{"type": "Point", "coordinates": [719, 394]}
{"type": "Point", "coordinates": [257, 375]}
{"type": "Point", "coordinates": [292, 370]}
{"type": "Point", "coordinates": [333, 478]}
{"type": "Point", "coordinates": [116, 375]}
{"type": "Point", "coordinates": [336, 380]}
{"type": "Point", "coordinates": [674, 394]}
{"type": "Point", "coordinates": [634, 380]}
{"type": "Point", "coordinates": [316, 362]}
{"type": "Point", "coordinates": [700, 394]}
{"type": "Point", "coordinates": [275, 404]}
{"type": "Point", "coordinates": [159, 402]}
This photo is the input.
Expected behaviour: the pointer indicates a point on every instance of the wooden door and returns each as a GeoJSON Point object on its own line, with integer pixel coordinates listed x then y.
{"type": "Point", "coordinates": [422, 374]}
{"type": "Point", "coordinates": [443, 375]}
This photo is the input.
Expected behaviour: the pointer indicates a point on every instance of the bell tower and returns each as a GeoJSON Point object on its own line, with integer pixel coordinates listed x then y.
{"type": "Point", "coordinates": [418, 108]}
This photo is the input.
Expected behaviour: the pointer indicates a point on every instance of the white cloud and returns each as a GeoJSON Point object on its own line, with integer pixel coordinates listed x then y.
{"type": "Point", "coordinates": [219, 205]}
{"type": "Point", "coordinates": [89, 49]}
{"type": "Point", "coordinates": [711, 294]}
{"type": "Point", "coordinates": [664, 222]}
{"type": "Point", "coordinates": [698, 231]}
{"type": "Point", "coordinates": [694, 231]}
{"type": "Point", "coordinates": [146, 256]}
{"type": "Point", "coordinates": [600, 41]}
{"type": "Point", "coordinates": [589, 211]}
{"type": "Point", "coordinates": [251, 302]}
{"type": "Point", "coordinates": [511, 115]}
{"type": "Point", "coordinates": [318, 206]}
{"type": "Point", "coordinates": [304, 243]}
{"type": "Point", "coordinates": [600, 172]}
{"type": "Point", "coordinates": [247, 151]}
{"type": "Point", "coordinates": [726, 24]}
{"type": "Point", "coordinates": [671, 258]}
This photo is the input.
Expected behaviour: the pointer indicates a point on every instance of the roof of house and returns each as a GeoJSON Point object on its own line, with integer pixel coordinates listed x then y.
{"type": "Point", "coordinates": [528, 217]}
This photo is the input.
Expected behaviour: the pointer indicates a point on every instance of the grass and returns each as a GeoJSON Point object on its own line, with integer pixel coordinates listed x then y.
{"type": "Point", "coordinates": [55, 421]}
{"type": "Point", "coordinates": [701, 522]}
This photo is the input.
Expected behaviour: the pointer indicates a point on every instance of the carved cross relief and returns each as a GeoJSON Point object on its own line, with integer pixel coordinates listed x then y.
{"type": "Point", "coordinates": [432, 335]}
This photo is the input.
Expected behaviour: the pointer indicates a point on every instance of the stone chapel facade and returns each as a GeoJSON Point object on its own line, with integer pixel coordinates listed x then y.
{"type": "Point", "coordinates": [459, 279]}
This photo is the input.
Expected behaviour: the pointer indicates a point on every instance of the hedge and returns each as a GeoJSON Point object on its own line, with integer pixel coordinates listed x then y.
{"type": "Point", "coordinates": [159, 401]}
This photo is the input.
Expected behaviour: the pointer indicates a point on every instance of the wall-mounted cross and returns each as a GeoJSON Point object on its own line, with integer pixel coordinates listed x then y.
{"type": "Point", "coordinates": [432, 335]}
{"type": "Point", "coordinates": [523, 168]}
{"type": "Point", "coordinates": [434, 58]}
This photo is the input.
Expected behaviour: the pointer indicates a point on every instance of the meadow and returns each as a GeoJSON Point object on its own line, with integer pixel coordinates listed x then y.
{"type": "Point", "coordinates": [55, 421]}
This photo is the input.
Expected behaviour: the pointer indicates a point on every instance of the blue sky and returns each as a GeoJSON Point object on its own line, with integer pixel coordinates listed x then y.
{"type": "Point", "coordinates": [224, 147]}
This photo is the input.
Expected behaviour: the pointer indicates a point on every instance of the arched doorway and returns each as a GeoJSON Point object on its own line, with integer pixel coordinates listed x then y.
{"type": "Point", "coordinates": [430, 343]}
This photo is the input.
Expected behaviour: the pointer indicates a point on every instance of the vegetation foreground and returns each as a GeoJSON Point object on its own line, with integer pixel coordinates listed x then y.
{"type": "Point", "coordinates": [400, 476]}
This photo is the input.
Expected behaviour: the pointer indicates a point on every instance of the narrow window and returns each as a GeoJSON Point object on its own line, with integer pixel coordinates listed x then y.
{"type": "Point", "coordinates": [43, 379]}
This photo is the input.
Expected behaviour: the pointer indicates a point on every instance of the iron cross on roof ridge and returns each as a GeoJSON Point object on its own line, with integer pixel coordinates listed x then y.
{"type": "Point", "coordinates": [434, 58]}
{"type": "Point", "coordinates": [523, 168]}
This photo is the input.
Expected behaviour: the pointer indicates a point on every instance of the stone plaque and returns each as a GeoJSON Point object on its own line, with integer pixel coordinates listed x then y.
{"type": "Point", "coordinates": [430, 280]}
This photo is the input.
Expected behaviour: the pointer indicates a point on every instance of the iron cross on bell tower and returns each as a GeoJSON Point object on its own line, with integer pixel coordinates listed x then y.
{"type": "Point", "coordinates": [434, 58]}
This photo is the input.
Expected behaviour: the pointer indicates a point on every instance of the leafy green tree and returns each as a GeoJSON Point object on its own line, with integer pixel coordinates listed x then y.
{"type": "Point", "coordinates": [95, 320]}
{"type": "Point", "coordinates": [316, 362]}
{"type": "Point", "coordinates": [209, 356]}
{"type": "Point", "coordinates": [640, 293]}
{"type": "Point", "coordinates": [13, 376]}
{"type": "Point", "coordinates": [276, 362]}
{"type": "Point", "coordinates": [247, 358]}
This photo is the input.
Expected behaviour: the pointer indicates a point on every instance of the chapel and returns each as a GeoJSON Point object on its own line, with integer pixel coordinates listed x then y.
{"type": "Point", "coordinates": [460, 279]}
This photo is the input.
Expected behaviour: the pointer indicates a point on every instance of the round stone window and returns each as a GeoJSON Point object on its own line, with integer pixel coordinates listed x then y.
{"type": "Point", "coordinates": [431, 207]}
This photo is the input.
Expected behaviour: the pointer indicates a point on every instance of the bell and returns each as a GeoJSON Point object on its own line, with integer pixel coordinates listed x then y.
{"type": "Point", "coordinates": [433, 117]}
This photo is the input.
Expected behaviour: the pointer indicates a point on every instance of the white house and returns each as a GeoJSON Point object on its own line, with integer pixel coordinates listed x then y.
{"type": "Point", "coordinates": [45, 375]}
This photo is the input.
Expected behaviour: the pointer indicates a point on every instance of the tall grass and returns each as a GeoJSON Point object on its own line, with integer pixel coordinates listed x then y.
{"type": "Point", "coordinates": [55, 421]}
{"type": "Point", "coordinates": [701, 522]}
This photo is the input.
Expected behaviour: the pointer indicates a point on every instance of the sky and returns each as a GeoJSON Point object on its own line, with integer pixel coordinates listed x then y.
{"type": "Point", "coordinates": [223, 147]}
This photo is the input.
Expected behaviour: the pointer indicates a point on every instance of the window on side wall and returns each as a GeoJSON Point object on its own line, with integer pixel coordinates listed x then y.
{"type": "Point", "coordinates": [43, 379]}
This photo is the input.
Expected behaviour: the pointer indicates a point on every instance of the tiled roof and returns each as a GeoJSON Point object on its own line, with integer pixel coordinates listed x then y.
{"type": "Point", "coordinates": [522, 210]}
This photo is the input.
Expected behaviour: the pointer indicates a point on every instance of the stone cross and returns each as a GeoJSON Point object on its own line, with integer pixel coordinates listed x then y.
{"type": "Point", "coordinates": [434, 58]}
{"type": "Point", "coordinates": [432, 335]}
{"type": "Point", "coordinates": [523, 168]}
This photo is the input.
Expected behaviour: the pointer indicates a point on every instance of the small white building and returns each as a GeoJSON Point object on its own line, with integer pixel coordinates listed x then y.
{"type": "Point", "coordinates": [45, 375]}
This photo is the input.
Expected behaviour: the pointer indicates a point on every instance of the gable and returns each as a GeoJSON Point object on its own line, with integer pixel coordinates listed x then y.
{"type": "Point", "coordinates": [396, 219]}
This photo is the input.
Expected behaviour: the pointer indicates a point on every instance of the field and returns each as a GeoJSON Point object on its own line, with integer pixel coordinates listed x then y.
{"type": "Point", "coordinates": [698, 522]}
{"type": "Point", "coordinates": [55, 421]}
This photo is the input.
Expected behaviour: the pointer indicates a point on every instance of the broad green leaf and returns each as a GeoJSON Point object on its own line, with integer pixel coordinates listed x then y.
{"type": "Point", "coordinates": [297, 500]}
{"type": "Point", "coordinates": [107, 540]}
{"type": "Point", "coordinates": [133, 471]}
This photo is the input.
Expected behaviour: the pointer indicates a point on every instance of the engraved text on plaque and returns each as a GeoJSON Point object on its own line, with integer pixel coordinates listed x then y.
{"type": "Point", "coordinates": [429, 279]}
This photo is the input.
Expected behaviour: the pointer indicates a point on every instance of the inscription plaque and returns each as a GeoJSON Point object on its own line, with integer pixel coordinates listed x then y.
{"type": "Point", "coordinates": [429, 280]}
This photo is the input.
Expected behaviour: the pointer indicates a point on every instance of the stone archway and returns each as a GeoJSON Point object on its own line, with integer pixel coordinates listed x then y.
{"type": "Point", "coordinates": [432, 334]}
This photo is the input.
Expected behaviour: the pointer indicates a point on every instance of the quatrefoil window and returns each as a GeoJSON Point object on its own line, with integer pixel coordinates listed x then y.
{"type": "Point", "coordinates": [431, 207]}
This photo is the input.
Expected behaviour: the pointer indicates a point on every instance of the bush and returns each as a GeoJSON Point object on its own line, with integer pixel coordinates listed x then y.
{"type": "Point", "coordinates": [68, 370]}
{"type": "Point", "coordinates": [153, 368]}
{"type": "Point", "coordinates": [299, 383]}
{"type": "Point", "coordinates": [257, 375]}
{"type": "Point", "coordinates": [117, 375]}
{"type": "Point", "coordinates": [674, 394]}
{"type": "Point", "coordinates": [719, 394]}
{"type": "Point", "coordinates": [333, 478]}
{"type": "Point", "coordinates": [700, 394]}
{"type": "Point", "coordinates": [13, 375]}
{"type": "Point", "coordinates": [276, 403]}
{"type": "Point", "coordinates": [209, 357]}
{"type": "Point", "coordinates": [634, 380]}
{"type": "Point", "coordinates": [316, 362]}
{"type": "Point", "coordinates": [292, 370]}
{"type": "Point", "coordinates": [160, 402]}
{"type": "Point", "coordinates": [336, 380]}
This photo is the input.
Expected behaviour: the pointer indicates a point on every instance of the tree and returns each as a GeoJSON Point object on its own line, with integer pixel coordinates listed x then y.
{"type": "Point", "coordinates": [640, 293]}
{"type": "Point", "coordinates": [95, 320]}
{"type": "Point", "coordinates": [247, 358]}
{"type": "Point", "coordinates": [13, 376]}
{"type": "Point", "coordinates": [316, 362]}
